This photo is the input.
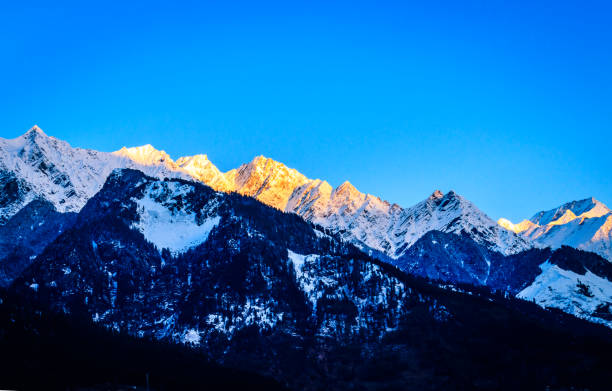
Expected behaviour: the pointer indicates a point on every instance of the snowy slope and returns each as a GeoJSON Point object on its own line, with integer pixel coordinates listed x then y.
{"type": "Point", "coordinates": [577, 294]}
{"type": "Point", "coordinates": [166, 224]}
{"type": "Point", "coordinates": [584, 224]}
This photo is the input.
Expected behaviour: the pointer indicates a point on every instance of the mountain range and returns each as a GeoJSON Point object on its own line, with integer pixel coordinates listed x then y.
{"type": "Point", "coordinates": [260, 263]}
{"type": "Point", "coordinates": [584, 224]}
{"type": "Point", "coordinates": [38, 166]}
{"type": "Point", "coordinates": [42, 168]}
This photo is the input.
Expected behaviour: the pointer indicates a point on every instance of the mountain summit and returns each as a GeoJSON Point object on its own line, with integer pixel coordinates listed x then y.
{"type": "Point", "coordinates": [585, 224]}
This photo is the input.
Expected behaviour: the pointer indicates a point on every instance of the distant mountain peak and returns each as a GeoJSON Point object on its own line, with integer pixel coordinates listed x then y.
{"type": "Point", "coordinates": [436, 195]}
{"type": "Point", "coordinates": [582, 224]}
{"type": "Point", "coordinates": [202, 169]}
{"type": "Point", "coordinates": [346, 188]}
{"type": "Point", "coordinates": [35, 131]}
{"type": "Point", "coordinates": [588, 207]}
{"type": "Point", "coordinates": [146, 155]}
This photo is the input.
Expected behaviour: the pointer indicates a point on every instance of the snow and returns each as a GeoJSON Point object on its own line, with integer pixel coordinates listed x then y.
{"type": "Point", "coordinates": [306, 281]}
{"type": "Point", "coordinates": [192, 337]}
{"type": "Point", "coordinates": [588, 208]}
{"type": "Point", "coordinates": [364, 219]}
{"type": "Point", "coordinates": [556, 287]}
{"type": "Point", "coordinates": [369, 222]}
{"type": "Point", "coordinates": [200, 168]}
{"type": "Point", "coordinates": [585, 224]}
{"type": "Point", "coordinates": [70, 176]}
{"type": "Point", "coordinates": [65, 176]}
{"type": "Point", "coordinates": [176, 231]}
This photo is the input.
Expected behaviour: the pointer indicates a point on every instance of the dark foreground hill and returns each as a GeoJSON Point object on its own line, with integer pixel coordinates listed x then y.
{"type": "Point", "coordinates": [42, 350]}
{"type": "Point", "coordinates": [269, 293]}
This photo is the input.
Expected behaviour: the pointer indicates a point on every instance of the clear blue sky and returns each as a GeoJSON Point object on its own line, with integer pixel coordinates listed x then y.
{"type": "Point", "coordinates": [507, 104]}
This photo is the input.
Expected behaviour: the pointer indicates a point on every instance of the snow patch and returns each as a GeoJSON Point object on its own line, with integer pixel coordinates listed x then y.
{"type": "Point", "coordinates": [177, 231]}
{"type": "Point", "coordinates": [306, 280]}
{"type": "Point", "coordinates": [192, 337]}
{"type": "Point", "coordinates": [573, 293]}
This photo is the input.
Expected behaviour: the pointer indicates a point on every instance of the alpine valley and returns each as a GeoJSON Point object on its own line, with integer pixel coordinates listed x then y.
{"type": "Point", "coordinates": [260, 277]}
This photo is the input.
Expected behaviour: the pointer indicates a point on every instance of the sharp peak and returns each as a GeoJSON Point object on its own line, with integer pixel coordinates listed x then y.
{"type": "Point", "coordinates": [34, 131]}
{"type": "Point", "coordinates": [346, 186]}
{"type": "Point", "coordinates": [261, 158]}
{"type": "Point", "coordinates": [593, 200]}
{"type": "Point", "coordinates": [436, 195]}
{"type": "Point", "coordinates": [264, 161]}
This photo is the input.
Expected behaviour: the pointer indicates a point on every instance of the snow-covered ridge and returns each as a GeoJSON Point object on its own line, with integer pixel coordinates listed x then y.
{"type": "Point", "coordinates": [584, 224]}
{"type": "Point", "coordinates": [580, 295]}
{"type": "Point", "coordinates": [49, 168]}
{"type": "Point", "coordinates": [35, 165]}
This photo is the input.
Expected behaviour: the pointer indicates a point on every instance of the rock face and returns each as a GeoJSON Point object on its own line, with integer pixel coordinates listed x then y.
{"type": "Point", "coordinates": [584, 224]}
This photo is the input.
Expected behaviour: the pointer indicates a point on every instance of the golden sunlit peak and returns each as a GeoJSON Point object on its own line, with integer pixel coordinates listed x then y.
{"type": "Point", "coordinates": [145, 154]}
{"type": "Point", "coordinates": [260, 158]}
{"type": "Point", "coordinates": [436, 195]}
{"type": "Point", "coordinates": [346, 187]}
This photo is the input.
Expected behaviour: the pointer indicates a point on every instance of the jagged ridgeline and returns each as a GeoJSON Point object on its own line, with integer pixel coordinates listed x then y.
{"type": "Point", "coordinates": [254, 288]}
{"type": "Point", "coordinates": [472, 248]}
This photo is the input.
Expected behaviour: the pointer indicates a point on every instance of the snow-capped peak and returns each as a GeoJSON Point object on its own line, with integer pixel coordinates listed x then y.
{"type": "Point", "coordinates": [436, 195]}
{"type": "Point", "coordinates": [146, 155]}
{"type": "Point", "coordinates": [35, 165]}
{"type": "Point", "coordinates": [452, 213]}
{"type": "Point", "coordinates": [202, 169]}
{"type": "Point", "coordinates": [588, 207]}
{"type": "Point", "coordinates": [347, 191]}
{"type": "Point", "coordinates": [34, 131]}
{"type": "Point", "coordinates": [585, 224]}
{"type": "Point", "coordinates": [267, 180]}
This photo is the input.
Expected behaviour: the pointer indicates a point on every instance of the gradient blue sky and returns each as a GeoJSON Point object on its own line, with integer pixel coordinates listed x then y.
{"type": "Point", "coordinates": [510, 105]}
